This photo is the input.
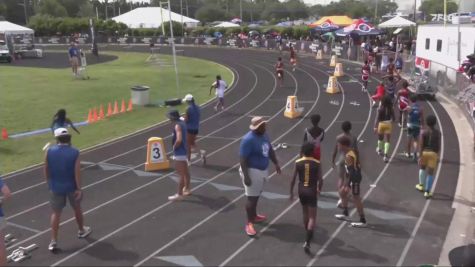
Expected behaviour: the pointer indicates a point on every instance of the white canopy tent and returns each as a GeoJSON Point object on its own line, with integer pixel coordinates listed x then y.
{"type": "Point", "coordinates": [226, 24]}
{"type": "Point", "coordinates": [397, 22]}
{"type": "Point", "coordinates": [11, 28]}
{"type": "Point", "coordinates": [151, 17]}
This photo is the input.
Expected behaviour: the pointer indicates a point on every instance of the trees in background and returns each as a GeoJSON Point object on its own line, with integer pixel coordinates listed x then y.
{"type": "Point", "coordinates": [437, 7]}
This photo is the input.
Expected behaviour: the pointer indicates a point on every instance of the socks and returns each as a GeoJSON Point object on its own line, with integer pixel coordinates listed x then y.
{"type": "Point", "coordinates": [386, 148]}
{"type": "Point", "coordinates": [430, 180]}
{"type": "Point", "coordinates": [309, 236]}
{"type": "Point", "coordinates": [422, 176]}
{"type": "Point", "coordinates": [380, 145]}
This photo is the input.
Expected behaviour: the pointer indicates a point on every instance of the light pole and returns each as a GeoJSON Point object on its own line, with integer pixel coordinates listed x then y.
{"type": "Point", "coordinates": [172, 40]}
{"type": "Point", "coordinates": [240, 10]}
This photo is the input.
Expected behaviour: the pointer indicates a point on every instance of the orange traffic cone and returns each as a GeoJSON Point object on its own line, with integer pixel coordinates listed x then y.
{"type": "Point", "coordinates": [4, 134]}
{"type": "Point", "coordinates": [109, 110]}
{"type": "Point", "coordinates": [116, 108]}
{"type": "Point", "coordinates": [101, 113]}
{"type": "Point", "coordinates": [122, 108]}
{"type": "Point", "coordinates": [90, 119]}
{"type": "Point", "coordinates": [130, 107]}
{"type": "Point", "coordinates": [94, 116]}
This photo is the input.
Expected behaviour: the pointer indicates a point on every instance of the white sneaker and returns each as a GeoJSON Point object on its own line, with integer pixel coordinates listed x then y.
{"type": "Point", "coordinates": [85, 232]}
{"type": "Point", "coordinates": [53, 246]}
{"type": "Point", "coordinates": [175, 197]}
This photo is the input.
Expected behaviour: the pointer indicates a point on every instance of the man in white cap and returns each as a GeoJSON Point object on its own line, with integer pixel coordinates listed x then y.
{"type": "Point", "coordinates": [192, 120]}
{"type": "Point", "coordinates": [62, 172]}
{"type": "Point", "coordinates": [255, 152]}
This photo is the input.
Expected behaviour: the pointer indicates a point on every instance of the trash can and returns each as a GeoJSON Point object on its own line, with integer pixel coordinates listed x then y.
{"type": "Point", "coordinates": [140, 95]}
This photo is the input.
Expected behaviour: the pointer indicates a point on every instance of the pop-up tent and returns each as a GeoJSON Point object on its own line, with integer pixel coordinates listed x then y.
{"type": "Point", "coordinates": [397, 22]}
{"type": "Point", "coordinates": [11, 28]}
{"type": "Point", "coordinates": [338, 20]}
{"type": "Point", "coordinates": [360, 28]}
{"type": "Point", "coordinates": [226, 24]}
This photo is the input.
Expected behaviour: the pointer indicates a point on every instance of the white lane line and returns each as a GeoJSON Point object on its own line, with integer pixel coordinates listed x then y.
{"type": "Point", "coordinates": [426, 206]}
{"type": "Point", "coordinates": [119, 173]}
{"type": "Point", "coordinates": [233, 72]}
{"type": "Point", "coordinates": [23, 227]}
{"type": "Point", "coordinates": [245, 245]}
{"type": "Point", "coordinates": [170, 202]}
{"type": "Point", "coordinates": [153, 254]}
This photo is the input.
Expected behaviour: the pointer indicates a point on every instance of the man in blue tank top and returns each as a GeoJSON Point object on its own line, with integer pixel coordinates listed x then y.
{"type": "Point", "coordinates": [180, 156]}
{"type": "Point", "coordinates": [414, 124]}
{"type": "Point", "coordinates": [62, 172]}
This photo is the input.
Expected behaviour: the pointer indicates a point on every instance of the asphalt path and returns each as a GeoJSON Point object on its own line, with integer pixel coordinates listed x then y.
{"type": "Point", "coordinates": [134, 223]}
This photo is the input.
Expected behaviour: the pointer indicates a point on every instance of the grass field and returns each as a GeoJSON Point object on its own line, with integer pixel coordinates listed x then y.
{"type": "Point", "coordinates": [31, 96]}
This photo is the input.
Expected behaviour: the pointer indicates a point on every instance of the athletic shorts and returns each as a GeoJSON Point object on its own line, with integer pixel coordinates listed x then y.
{"type": "Point", "coordinates": [221, 100]}
{"type": "Point", "coordinates": [308, 196]}
{"type": "Point", "coordinates": [385, 127]}
{"type": "Point", "coordinates": [192, 131]}
{"type": "Point", "coordinates": [281, 72]}
{"type": "Point", "coordinates": [258, 179]}
{"type": "Point", "coordinates": [364, 78]}
{"type": "Point", "coordinates": [75, 61]}
{"type": "Point", "coordinates": [180, 158]}
{"type": "Point", "coordinates": [3, 223]}
{"type": "Point", "coordinates": [293, 61]}
{"type": "Point", "coordinates": [58, 201]}
{"type": "Point", "coordinates": [413, 132]}
{"type": "Point", "coordinates": [429, 159]}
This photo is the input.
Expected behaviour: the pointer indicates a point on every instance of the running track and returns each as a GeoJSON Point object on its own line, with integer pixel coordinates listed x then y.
{"type": "Point", "coordinates": [134, 224]}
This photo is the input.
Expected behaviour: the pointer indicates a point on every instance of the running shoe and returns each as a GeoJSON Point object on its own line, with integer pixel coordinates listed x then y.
{"type": "Point", "coordinates": [86, 230]}
{"type": "Point", "coordinates": [260, 218]}
{"type": "Point", "coordinates": [420, 187]}
{"type": "Point", "coordinates": [386, 159]}
{"type": "Point", "coordinates": [399, 124]}
{"type": "Point", "coordinates": [427, 195]}
{"type": "Point", "coordinates": [306, 247]}
{"type": "Point", "coordinates": [175, 197]}
{"type": "Point", "coordinates": [203, 156]}
{"type": "Point", "coordinates": [408, 155]}
{"type": "Point", "coordinates": [341, 217]}
{"type": "Point", "coordinates": [379, 151]}
{"type": "Point", "coordinates": [250, 231]}
{"type": "Point", "coordinates": [373, 103]}
{"type": "Point", "coordinates": [53, 246]}
{"type": "Point", "coordinates": [186, 192]}
{"type": "Point", "coordinates": [358, 225]}
{"type": "Point", "coordinates": [216, 109]}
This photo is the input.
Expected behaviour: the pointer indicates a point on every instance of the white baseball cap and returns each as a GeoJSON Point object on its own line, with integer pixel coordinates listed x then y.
{"type": "Point", "coordinates": [61, 132]}
{"type": "Point", "coordinates": [188, 97]}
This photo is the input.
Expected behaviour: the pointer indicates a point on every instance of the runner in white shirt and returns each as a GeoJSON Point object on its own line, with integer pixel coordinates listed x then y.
{"type": "Point", "coordinates": [220, 87]}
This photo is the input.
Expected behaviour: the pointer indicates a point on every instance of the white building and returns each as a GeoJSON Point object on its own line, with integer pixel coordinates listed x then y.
{"type": "Point", "coordinates": [151, 17]}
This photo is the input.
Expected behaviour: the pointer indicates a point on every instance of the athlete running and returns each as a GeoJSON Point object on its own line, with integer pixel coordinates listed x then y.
{"type": "Point", "coordinates": [293, 57]}
{"type": "Point", "coordinates": [340, 163]}
{"type": "Point", "coordinates": [279, 70]}
{"type": "Point", "coordinates": [391, 85]}
{"type": "Point", "coordinates": [391, 67]}
{"type": "Point", "coordinates": [220, 87]}
{"type": "Point", "coordinates": [380, 91]}
{"type": "Point", "coordinates": [428, 151]}
{"type": "Point", "coordinates": [403, 103]}
{"type": "Point", "coordinates": [315, 135]}
{"type": "Point", "coordinates": [414, 124]}
{"type": "Point", "coordinates": [352, 182]}
{"type": "Point", "coordinates": [383, 126]}
{"type": "Point", "coordinates": [365, 71]}
{"type": "Point", "coordinates": [308, 170]}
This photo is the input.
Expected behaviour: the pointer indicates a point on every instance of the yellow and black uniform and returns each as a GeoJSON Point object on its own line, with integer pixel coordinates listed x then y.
{"type": "Point", "coordinates": [353, 173]}
{"type": "Point", "coordinates": [430, 148]}
{"type": "Point", "coordinates": [385, 115]}
{"type": "Point", "coordinates": [308, 169]}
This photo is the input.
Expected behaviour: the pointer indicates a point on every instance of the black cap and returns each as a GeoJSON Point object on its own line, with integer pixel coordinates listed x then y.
{"type": "Point", "coordinates": [173, 115]}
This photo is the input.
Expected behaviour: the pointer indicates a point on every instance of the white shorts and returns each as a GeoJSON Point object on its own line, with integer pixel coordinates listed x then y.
{"type": "Point", "coordinates": [180, 158]}
{"type": "Point", "coordinates": [258, 179]}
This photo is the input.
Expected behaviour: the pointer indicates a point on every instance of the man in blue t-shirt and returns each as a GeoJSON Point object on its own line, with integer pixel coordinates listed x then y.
{"type": "Point", "coordinates": [73, 53]}
{"type": "Point", "coordinates": [5, 195]}
{"type": "Point", "coordinates": [192, 119]}
{"type": "Point", "coordinates": [62, 172]}
{"type": "Point", "coordinates": [255, 152]}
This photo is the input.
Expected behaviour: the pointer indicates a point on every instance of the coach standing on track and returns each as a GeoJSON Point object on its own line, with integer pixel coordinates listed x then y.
{"type": "Point", "coordinates": [62, 172]}
{"type": "Point", "coordinates": [255, 151]}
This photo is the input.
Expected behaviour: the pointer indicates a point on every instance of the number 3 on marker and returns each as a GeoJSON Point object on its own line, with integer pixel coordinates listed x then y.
{"type": "Point", "coordinates": [156, 153]}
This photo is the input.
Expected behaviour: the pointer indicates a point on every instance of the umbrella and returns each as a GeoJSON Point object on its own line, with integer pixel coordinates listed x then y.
{"type": "Point", "coordinates": [359, 28]}
{"type": "Point", "coordinates": [328, 37]}
{"type": "Point", "coordinates": [217, 34]}
{"type": "Point", "coordinates": [253, 33]}
{"type": "Point", "coordinates": [326, 26]}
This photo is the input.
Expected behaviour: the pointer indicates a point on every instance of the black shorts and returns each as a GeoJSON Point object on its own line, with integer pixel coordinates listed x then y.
{"type": "Point", "coordinates": [192, 131]}
{"type": "Point", "coordinates": [413, 132]}
{"type": "Point", "coordinates": [308, 196]}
